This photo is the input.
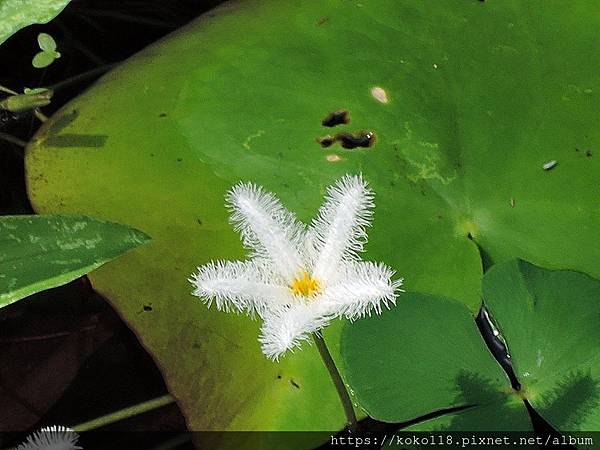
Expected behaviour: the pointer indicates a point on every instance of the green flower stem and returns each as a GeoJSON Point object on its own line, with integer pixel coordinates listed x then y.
{"type": "Point", "coordinates": [126, 413]}
{"type": "Point", "coordinates": [337, 381]}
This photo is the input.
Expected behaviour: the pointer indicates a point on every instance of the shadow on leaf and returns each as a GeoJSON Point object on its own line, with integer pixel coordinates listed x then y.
{"type": "Point", "coordinates": [569, 403]}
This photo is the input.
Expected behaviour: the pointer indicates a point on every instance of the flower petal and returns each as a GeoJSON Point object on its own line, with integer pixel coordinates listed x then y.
{"type": "Point", "coordinates": [287, 328]}
{"type": "Point", "coordinates": [267, 228]}
{"type": "Point", "coordinates": [56, 437]}
{"type": "Point", "coordinates": [338, 233]}
{"type": "Point", "coordinates": [243, 286]}
{"type": "Point", "coordinates": [363, 288]}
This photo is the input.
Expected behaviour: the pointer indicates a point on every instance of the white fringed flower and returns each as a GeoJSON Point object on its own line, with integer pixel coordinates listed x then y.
{"type": "Point", "coordinates": [55, 437]}
{"type": "Point", "coordinates": [299, 277]}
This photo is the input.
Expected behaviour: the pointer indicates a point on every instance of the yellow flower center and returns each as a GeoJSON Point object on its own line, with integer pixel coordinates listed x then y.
{"type": "Point", "coordinates": [305, 285]}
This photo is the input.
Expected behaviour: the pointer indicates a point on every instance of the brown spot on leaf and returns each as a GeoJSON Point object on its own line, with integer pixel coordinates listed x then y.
{"type": "Point", "coordinates": [363, 139]}
{"type": "Point", "coordinates": [326, 141]}
{"type": "Point", "coordinates": [339, 117]}
{"type": "Point", "coordinates": [322, 20]}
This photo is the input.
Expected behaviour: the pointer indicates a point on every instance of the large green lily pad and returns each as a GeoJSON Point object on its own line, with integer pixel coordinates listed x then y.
{"type": "Point", "coordinates": [471, 99]}
{"type": "Point", "coordinates": [428, 356]}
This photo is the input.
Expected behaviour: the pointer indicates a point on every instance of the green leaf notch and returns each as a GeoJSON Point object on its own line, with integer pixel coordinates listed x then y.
{"type": "Point", "coordinates": [17, 14]}
{"type": "Point", "coordinates": [42, 252]}
{"type": "Point", "coordinates": [427, 355]}
{"type": "Point", "coordinates": [460, 145]}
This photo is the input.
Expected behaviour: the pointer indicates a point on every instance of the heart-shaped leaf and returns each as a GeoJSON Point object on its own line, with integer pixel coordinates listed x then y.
{"type": "Point", "coordinates": [458, 151]}
{"type": "Point", "coordinates": [426, 355]}
{"type": "Point", "coordinates": [550, 322]}
{"type": "Point", "coordinates": [42, 252]}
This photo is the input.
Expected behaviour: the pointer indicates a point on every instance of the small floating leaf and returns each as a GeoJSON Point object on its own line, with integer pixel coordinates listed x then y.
{"type": "Point", "coordinates": [48, 53]}
{"type": "Point", "coordinates": [46, 42]}
{"type": "Point", "coordinates": [42, 59]}
{"type": "Point", "coordinates": [42, 252]}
